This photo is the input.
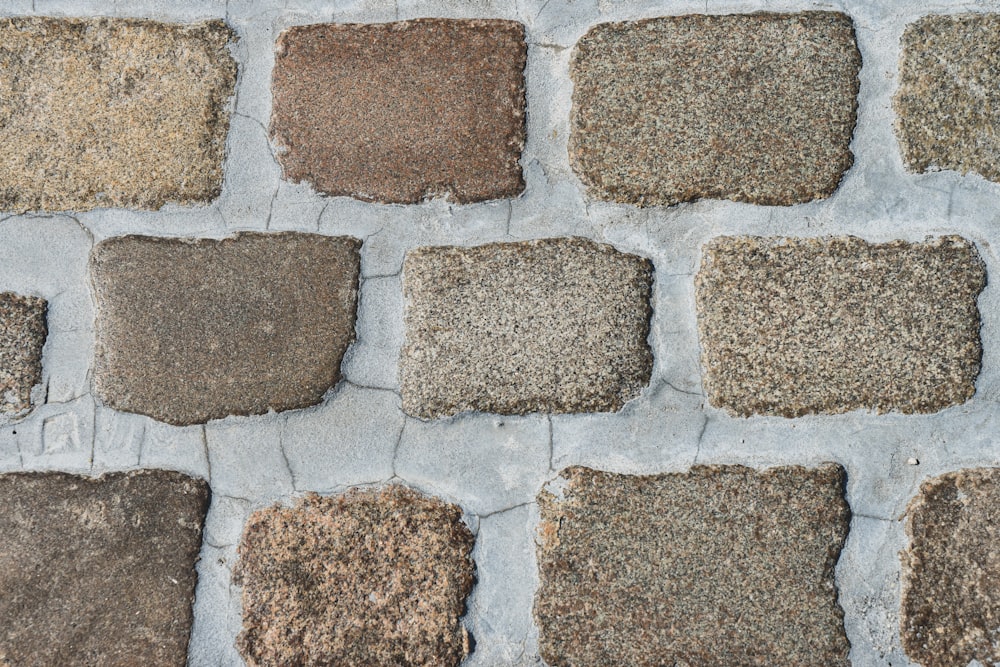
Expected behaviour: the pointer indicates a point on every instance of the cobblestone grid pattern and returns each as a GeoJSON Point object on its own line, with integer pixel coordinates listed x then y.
{"type": "Point", "coordinates": [531, 332]}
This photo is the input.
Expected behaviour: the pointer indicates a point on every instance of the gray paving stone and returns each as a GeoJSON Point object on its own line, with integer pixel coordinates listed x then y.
{"type": "Point", "coordinates": [791, 326]}
{"type": "Point", "coordinates": [750, 107]}
{"type": "Point", "coordinates": [192, 330]}
{"type": "Point", "coordinates": [367, 578]}
{"type": "Point", "coordinates": [112, 112]}
{"type": "Point", "coordinates": [399, 112]}
{"type": "Point", "coordinates": [949, 605]}
{"type": "Point", "coordinates": [23, 331]}
{"type": "Point", "coordinates": [949, 91]}
{"type": "Point", "coordinates": [98, 571]}
{"type": "Point", "coordinates": [721, 565]}
{"type": "Point", "coordinates": [554, 325]}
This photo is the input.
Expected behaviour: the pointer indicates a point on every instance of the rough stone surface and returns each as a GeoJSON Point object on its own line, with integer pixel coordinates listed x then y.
{"type": "Point", "coordinates": [191, 330]}
{"type": "Point", "coordinates": [717, 566]}
{"type": "Point", "coordinates": [368, 578]}
{"type": "Point", "coordinates": [556, 325]}
{"type": "Point", "coordinates": [950, 606]}
{"type": "Point", "coordinates": [22, 335]}
{"type": "Point", "coordinates": [399, 112]}
{"type": "Point", "coordinates": [112, 112]}
{"type": "Point", "coordinates": [98, 571]}
{"type": "Point", "coordinates": [791, 326]}
{"type": "Point", "coordinates": [749, 107]}
{"type": "Point", "coordinates": [949, 93]}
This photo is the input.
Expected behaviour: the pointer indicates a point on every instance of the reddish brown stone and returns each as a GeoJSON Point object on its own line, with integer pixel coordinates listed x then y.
{"type": "Point", "coordinates": [399, 112]}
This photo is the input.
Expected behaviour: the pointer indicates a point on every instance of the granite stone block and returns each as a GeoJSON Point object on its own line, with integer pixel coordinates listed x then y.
{"type": "Point", "coordinates": [23, 330]}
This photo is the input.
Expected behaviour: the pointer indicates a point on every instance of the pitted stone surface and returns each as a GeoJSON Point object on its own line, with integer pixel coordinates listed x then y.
{"type": "Point", "coordinates": [721, 565]}
{"type": "Point", "coordinates": [367, 578]}
{"type": "Point", "coordinates": [22, 336]}
{"type": "Point", "coordinates": [191, 330]}
{"type": "Point", "coordinates": [749, 107]}
{"type": "Point", "coordinates": [399, 112]}
{"type": "Point", "coordinates": [791, 326]}
{"type": "Point", "coordinates": [949, 93]}
{"type": "Point", "coordinates": [98, 571]}
{"type": "Point", "coordinates": [112, 112]}
{"type": "Point", "coordinates": [556, 325]}
{"type": "Point", "coordinates": [950, 607]}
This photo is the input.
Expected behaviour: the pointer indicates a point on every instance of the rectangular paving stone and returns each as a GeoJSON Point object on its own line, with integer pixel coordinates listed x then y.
{"type": "Point", "coordinates": [792, 326]}
{"type": "Point", "coordinates": [949, 93]}
{"type": "Point", "coordinates": [400, 112]}
{"type": "Point", "coordinates": [191, 330]}
{"type": "Point", "coordinates": [721, 565]}
{"type": "Point", "coordinates": [757, 108]}
{"type": "Point", "coordinates": [98, 571]}
{"type": "Point", "coordinates": [950, 604]}
{"type": "Point", "coordinates": [112, 112]}
{"type": "Point", "coordinates": [368, 578]}
{"type": "Point", "coordinates": [22, 335]}
{"type": "Point", "coordinates": [555, 325]}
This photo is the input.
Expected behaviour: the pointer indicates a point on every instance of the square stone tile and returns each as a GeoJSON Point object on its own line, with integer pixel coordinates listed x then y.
{"type": "Point", "coordinates": [720, 565]}
{"type": "Point", "coordinates": [23, 330]}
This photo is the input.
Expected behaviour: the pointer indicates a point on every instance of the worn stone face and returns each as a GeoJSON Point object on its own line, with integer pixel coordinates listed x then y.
{"type": "Point", "coordinates": [950, 609]}
{"type": "Point", "coordinates": [191, 330]}
{"type": "Point", "coordinates": [22, 336]}
{"type": "Point", "coordinates": [98, 571]}
{"type": "Point", "coordinates": [949, 93]}
{"type": "Point", "coordinates": [368, 578]}
{"type": "Point", "coordinates": [791, 326]}
{"type": "Point", "coordinates": [112, 112]}
{"type": "Point", "coordinates": [757, 108]}
{"type": "Point", "coordinates": [556, 325]}
{"type": "Point", "coordinates": [399, 112]}
{"type": "Point", "coordinates": [704, 568]}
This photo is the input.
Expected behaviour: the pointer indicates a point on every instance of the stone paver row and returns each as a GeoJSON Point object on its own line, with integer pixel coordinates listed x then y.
{"type": "Point", "coordinates": [719, 564]}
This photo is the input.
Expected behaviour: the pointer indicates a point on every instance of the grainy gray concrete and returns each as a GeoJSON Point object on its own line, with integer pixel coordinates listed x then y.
{"type": "Point", "coordinates": [493, 466]}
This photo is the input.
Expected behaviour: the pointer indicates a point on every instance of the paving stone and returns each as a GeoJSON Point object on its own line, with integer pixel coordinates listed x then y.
{"type": "Point", "coordinates": [367, 578]}
{"type": "Point", "coordinates": [949, 91]}
{"type": "Point", "coordinates": [756, 108]}
{"type": "Point", "coordinates": [399, 112]}
{"type": "Point", "coordinates": [555, 325]}
{"type": "Point", "coordinates": [22, 334]}
{"type": "Point", "coordinates": [98, 571]}
{"type": "Point", "coordinates": [191, 330]}
{"type": "Point", "coordinates": [721, 565]}
{"type": "Point", "coordinates": [791, 326]}
{"type": "Point", "coordinates": [112, 112]}
{"type": "Point", "coordinates": [949, 605]}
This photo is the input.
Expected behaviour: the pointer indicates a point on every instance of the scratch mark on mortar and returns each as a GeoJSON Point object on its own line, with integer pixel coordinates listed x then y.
{"type": "Point", "coordinates": [542, 9]}
{"type": "Point", "coordinates": [356, 385]}
{"type": "Point", "coordinates": [488, 515]}
{"type": "Point", "coordinates": [208, 457]}
{"type": "Point", "coordinates": [683, 391]}
{"type": "Point", "coordinates": [395, 450]}
{"type": "Point", "coordinates": [701, 436]}
{"type": "Point", "coordinates": [284, 456]}
{"type": "Point", "coordinates": [872, 517]}
{"type": "Point", "coordinates": [551, 444]}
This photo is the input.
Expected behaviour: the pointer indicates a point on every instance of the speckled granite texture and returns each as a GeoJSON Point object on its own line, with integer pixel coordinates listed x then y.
{"type": "Point", "coordinates": [721, 565]}
{"type": "Point", "coordinates": [22, 335]}
{"type": "Point", "coordinates": [950, 607]}
{"type": "Point", "coordinates": [191, 330]}
{"type": "Point", "coordinates": [750, 107]}
{"type": "Point", "coordinates": [98, 571]}
{"type": "Point", "coordinates": [791, 326]}
{"type": "Point", "coordinates": [112, 112]}
{"type": "Point", "coordinates": [399, 112]}
{"type": "Point", "coordinates": [555, 325]}
{"type": "Point", "coordinates": [949, 94]}
{"type": "Point", "coordinates": [368, 578]}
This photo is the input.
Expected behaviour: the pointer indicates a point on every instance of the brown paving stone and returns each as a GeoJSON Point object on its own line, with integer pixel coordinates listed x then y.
{"type": "Point", "coordinates": [951, 606]}
{"type": "Point", "coordinates": [399, 112]}
{"type": "Point", "coordinates": [367, 578]}
{"type": "Point", "coordinates": [191, 330]}
{"type": "Point", "coordinates": [949, 93]}
{"type": "Point", "coordinates": [791, 326]}
{"type": "Point", "coordinates": [112, 112]}
{"type": "Point", "coordinates": [721, 565]}
{"type": "Point", "coordinates": [749, 107]}
{"type": "Point", "coordinates": [556, 325]}
{"type": "Point", "coordinates": [22, 336]}
{"type": "Point", "coordinates": [98, 571]}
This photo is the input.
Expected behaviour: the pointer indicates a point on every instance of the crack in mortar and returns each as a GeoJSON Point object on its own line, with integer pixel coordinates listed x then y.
{"type": "Point", "coordinates": [284, 456]}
